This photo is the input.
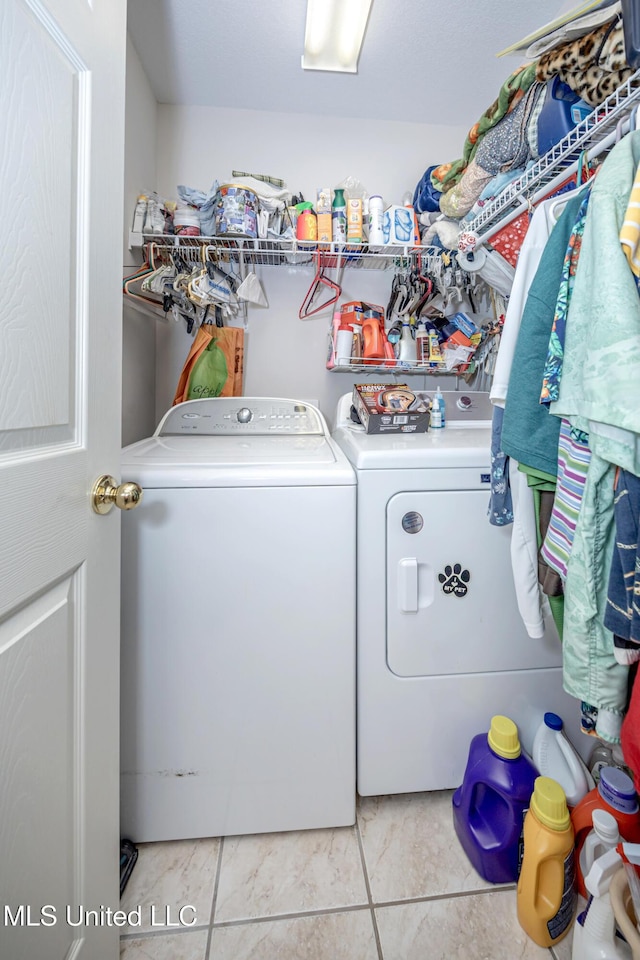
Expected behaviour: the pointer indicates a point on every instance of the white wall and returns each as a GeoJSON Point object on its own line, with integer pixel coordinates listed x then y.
{"type": "Point", "coordinates": [139, 330]}
{"type": "Point", "coordinates": [285, 356]}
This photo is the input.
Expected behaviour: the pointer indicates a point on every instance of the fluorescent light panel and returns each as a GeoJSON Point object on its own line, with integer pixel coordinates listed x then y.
{"type": "Point", "coordinates": [334, 33]}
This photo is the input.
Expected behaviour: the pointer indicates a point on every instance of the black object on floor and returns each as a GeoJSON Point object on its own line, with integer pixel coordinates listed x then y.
{"type": "Point", "coordinates": [128, 857]}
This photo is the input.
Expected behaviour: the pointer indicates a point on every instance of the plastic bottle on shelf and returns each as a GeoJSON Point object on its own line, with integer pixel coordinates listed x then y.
{"type": "Point", "coordinates": [407, 345]}
{"type": "Point", "coordinates": [489, 805]}
{"type": "Point", "coordinates": [604, 836]}
{"type": "Point", "coordinates": [339, 217]}
{"type": "Point", "coordinates": [594, 932]}
{"type": "Point", "coordinates": [307, 222]}
{"type": "Point", "coordinates": [344, 345]}
{"type": "Point", "coordinates": [440, 401]}
{"type": "Point", "coordinates": [616, 794]}
{"type": "Point", "coordinates": [333, 338]}
{"type": "Point", "coordinates": [546, 896]}
{"type": "Point", "coordinates": [422, 342]}
{"type": "Point", "coordinates": [555, 757]}
{"type": "Point", "coordinates": [372, 340]}
{"type": "Point", "coordinates": [376, 210]}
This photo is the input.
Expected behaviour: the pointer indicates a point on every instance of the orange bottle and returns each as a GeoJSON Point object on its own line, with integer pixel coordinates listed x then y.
{"type": "Point", "coordinates": [373, 340]}
{"type": "Point", "coordinates": [546, 898]}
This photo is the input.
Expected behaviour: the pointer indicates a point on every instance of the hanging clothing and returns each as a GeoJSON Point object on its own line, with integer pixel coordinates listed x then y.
{"type": "Point", "coordinates": [552, 373]}
{"type": "Point", "coordinates": [622, 614]}
{"type": "Point", "coordinates": [600, 387]}
{"type": "Point", "coordinates": [524, 547]}
{"type": "Point", "coordinates": [574, 457]}
{"type": "Point", "coordinates": [529, 434]}
{"type": "Point", "coordinates": [500, 508]}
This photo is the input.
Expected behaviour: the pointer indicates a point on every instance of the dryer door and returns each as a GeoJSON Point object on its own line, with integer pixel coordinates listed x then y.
{"type": "Point", "coordinates": [451, 605]}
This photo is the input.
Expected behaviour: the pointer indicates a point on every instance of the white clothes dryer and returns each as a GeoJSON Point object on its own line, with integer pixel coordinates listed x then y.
{"type": "Point", "coordinates": [441, 646]}
{"type": "Point", "coordinates": [238, 624]}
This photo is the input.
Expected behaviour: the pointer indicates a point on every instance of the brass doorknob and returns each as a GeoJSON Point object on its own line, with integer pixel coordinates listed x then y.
{"type": "Point", "coordinates": [106, 493]}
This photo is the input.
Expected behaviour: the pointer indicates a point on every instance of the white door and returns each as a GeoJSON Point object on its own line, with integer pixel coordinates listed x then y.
{"type": "Point", "coordinates": [61, 158]}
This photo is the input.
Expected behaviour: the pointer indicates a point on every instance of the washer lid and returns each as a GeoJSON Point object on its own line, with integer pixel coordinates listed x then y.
{"type": "Point", "coordinates": [198, 445]}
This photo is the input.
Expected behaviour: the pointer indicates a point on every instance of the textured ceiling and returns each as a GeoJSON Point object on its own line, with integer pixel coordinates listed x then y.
{"type": "Point", "coordinates": [424, 60]}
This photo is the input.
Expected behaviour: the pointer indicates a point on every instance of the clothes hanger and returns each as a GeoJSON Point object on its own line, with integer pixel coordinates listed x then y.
{"type": "Point", "coordinates": [319, 281]}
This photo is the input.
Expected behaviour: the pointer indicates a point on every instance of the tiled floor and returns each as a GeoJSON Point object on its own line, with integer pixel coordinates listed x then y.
{"type": "Point", "coordinates": [396, 886]}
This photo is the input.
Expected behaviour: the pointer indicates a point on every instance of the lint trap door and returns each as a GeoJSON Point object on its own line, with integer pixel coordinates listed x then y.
{"type": "Point", "coordinates": [451, 605]}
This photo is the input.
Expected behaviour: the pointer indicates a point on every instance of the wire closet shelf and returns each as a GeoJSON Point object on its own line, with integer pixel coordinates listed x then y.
{"type": "Point", "coordinates": [594, 135]}
{"type": "Point", "coordinates": [283, 252]}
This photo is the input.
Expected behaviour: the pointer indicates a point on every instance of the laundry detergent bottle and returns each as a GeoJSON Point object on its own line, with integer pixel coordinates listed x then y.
{"type": "Point", "coordinates": [616, 794]}
{"type": "Point", "coordinates": [489, 806]}
{"type": "Point", "coordinates": [546, 897]}
{"type": "Point", "coordinates": [556, 757]}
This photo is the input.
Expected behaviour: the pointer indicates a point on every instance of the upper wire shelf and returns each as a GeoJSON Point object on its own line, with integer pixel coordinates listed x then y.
{"type": "Point", "coordinates": [594, 135]}
{"type": "Point", "coordinates": [247, 251]}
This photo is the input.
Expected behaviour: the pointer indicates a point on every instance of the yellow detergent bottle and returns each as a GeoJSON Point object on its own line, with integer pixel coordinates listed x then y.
{"type": "Point", "coordinates": [547, 897]}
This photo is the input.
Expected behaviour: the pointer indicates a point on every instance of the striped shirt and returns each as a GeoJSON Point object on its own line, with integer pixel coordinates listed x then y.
{"type": "Point", "coordinates": [573, 462]}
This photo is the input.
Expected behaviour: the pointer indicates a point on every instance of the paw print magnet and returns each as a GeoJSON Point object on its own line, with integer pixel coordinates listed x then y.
{"type": "Point", "coordinates": [454, 580]}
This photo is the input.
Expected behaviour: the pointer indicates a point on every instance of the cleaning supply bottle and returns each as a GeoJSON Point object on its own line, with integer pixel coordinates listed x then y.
{"type": "Point", "coordinates": [594, 932]}
{"type": "Point", "coordinates": [339, 217]}
{"type": "Point", "coordinates": [407, 345]}
{"type": "Point", "coordinates": [546, 895]}
{"type": "Point", "coordinates": [344, 345]}
{"type": "Point", "coordinates": [604, 836]}
{"type": "Point", "coordinates": [332, 352]}
{"type": "Point", "coordinates": [440, 401]}
{"type": "Point", "coordinates": [435, 417]}
{"type": "Point", "coordinates": [372, 339]}
{"type": "Point", "coordinates": [616, 794]}
{"type": "Point", "coordinates": [489, 805]}
{"type": "Point", "coordinates": [376, 210]}
{"type": "Point", "coordinates": [555, 757]}
{"type": "Point", "coordinates": [422, 342]}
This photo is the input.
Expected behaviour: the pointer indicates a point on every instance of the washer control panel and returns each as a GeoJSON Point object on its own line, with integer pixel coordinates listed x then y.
{"type": "Point", "coordinates": [255, 416]}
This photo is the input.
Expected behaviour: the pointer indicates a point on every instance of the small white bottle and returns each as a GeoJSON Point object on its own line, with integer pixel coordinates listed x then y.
{"type": "Point", "coordinates": [594, 932]}
{"type": "Point", "coordinates": [376, 210]}
{"type": "Point", "coordinates": [344, 345]}
{"type": "Point", "coordinates": [440, 400]}
{"type": "Point", "coordinates": [435, 416]}
{"type": "Point", "coordinates": [603, 837]}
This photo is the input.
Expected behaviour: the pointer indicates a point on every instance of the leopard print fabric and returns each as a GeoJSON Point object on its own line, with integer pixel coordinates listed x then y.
{"type": "Point", "coordinates": [593, 65]}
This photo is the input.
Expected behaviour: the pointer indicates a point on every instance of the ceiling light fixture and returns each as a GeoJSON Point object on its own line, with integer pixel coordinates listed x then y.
{"type": "Point", "coordinates": [334, 33]}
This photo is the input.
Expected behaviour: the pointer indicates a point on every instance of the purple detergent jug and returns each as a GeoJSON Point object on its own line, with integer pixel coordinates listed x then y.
{"type": "Point", "coordinates": [489, 806]}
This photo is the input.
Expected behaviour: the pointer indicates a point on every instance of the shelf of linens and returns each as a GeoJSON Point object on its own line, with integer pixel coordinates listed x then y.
{"type": "Point", "coordinates": [283, 252]}
{"type": "Point", "coordinates": [592, 137]}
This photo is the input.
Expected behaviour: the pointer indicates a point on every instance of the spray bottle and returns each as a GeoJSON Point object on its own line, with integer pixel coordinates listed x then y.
{"type": "Point", "coordinates": [594, 933]}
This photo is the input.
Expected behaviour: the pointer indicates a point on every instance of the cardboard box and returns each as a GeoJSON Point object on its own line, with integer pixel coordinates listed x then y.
{"type": "Point", "coordinates": [390, 408]}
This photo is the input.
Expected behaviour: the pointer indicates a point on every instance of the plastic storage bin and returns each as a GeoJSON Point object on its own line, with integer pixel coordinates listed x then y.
{"type": "Point", "coordinates": [489, 806]}
{"type": "Point", "coordinates": [561, 112]}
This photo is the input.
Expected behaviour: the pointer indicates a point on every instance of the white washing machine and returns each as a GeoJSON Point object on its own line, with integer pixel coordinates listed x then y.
{"type": "Point", "coordinates": [238, 624]}
{"type": "Point", "coordinates": [441, 645]}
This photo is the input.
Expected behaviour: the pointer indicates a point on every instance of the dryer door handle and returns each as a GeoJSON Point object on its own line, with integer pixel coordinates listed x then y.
{"type": "Point", "coordinates": [408, 585]}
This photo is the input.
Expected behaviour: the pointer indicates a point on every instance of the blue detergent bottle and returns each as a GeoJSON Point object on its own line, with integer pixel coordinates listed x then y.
{"type": "Point", "coordinates": [489, 806]}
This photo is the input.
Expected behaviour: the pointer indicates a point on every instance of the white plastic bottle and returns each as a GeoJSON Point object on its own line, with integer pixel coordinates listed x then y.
{"type": "Point", "coordinates": [344, 345]}
{"type": "Point", "coordinates": [604, 836]}
{"type": "Point", "coordinates": [555, 757]}
{"type": "Point", "coordinates": [407, 345]}
{"type": "Point", "coordinates": [440, 400]}
{"type": "Point", "coordinates": [376, 210]}
{"type": "Point", "coordinates": [594, 932]}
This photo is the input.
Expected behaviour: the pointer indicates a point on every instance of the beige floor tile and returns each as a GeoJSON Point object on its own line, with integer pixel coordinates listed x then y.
{"type": "Point", "coordinates": [411, 849]}
{"type": "Point", "coordinates": [181, 946]}
{"type": "Point", "coordinates": [277, 873]}
{"type": "Point", "coordinates": [168, 876]}
{"type": "Point", "coordinates": [481, 927]}
{"type": "Point", "coordinates": [334, 936]}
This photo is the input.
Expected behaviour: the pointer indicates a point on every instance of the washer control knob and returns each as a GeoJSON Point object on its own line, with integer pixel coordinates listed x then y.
{"type": "Point", "coordinates": [244, 415]}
